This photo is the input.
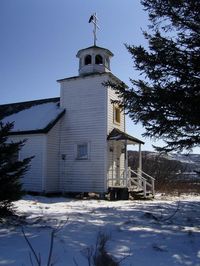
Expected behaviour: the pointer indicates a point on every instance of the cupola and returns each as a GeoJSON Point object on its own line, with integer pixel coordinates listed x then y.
{"type": "Point", "coordinates": [94, 59]}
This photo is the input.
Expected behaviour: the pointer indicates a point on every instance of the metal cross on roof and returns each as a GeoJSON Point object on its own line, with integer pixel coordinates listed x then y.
{"type": "Point", "coordinates": [94, 20]}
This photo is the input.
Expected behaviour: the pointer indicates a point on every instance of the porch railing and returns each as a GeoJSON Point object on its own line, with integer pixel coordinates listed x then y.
{"type": "Point", "coordinates": [133, 180]}
{"type": "Point", "coordinates": [117, 178]}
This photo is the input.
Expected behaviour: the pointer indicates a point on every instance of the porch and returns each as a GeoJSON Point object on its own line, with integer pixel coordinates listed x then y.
{"type": "Point", "coordinates": [120, 176]}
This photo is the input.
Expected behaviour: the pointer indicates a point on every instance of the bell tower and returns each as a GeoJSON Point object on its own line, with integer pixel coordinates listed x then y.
{"type": "Point", "coordinates": [94, 59]}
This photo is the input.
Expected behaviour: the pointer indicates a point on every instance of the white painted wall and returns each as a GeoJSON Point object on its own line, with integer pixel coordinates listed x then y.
{"type": "Point", "coordinates": [113, 96]}
{"type": "Point", "coordinates": [88, 118]}
{"type": "Point", "coordinates": [85, 100]}
{"type": "Point", "coordinates": [34, 179]}
{"type": "Point", "coordinates": [115, 156]}
{"type": "Point", "coordinates": [52, 182]}
{"type": "Point", "coordinates": [43, 175]}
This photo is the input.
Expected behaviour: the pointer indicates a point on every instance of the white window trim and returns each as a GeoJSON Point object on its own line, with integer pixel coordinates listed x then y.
{"type": "Point", "coordinates": [88, 151]}
{"type": "Point", "coordinates": [114, 114]}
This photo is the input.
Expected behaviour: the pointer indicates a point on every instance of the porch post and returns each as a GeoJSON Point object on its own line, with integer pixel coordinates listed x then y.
{"type": "Point", "coordinates": [112, 164]}
{"type": "Point", "coordinates": [140, 160]}
{"type": "Point", "coordinates": [126, 162]}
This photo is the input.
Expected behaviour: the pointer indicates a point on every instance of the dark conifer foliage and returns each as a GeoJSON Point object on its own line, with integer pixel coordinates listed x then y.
{"type": "Point", "coordinates": [11, 170]}
{"type": "Point", "coordinates": [166, 99]}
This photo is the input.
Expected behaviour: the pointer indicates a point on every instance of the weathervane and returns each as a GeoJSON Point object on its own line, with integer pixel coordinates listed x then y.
{"type": "Point", "coordinates": [94, 20]}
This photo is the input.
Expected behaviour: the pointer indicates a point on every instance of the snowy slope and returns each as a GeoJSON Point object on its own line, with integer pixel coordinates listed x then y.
{"type": "Point", "coordinates": [162, 232]}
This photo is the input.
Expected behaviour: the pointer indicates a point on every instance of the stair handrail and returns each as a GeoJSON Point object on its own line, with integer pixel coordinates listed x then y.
{"type": "Point", "coordinates": [151, 177]}
{"type": "Point", "coordinates": [126, 180]}
{"type": "Point", "coordinates": [137, 174]}
{"type": "Point", "coordinates": [144, 181]}
{"type": "Point", "coordinates": [152, 181]}
{"type": "Point", "coordinates": [143, 184]}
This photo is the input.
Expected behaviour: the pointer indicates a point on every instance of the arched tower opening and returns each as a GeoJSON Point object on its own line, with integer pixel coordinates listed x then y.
{"type": "Point", "coordinates": [88, 59]}
{"type": "Point", "coordinates": [98, 59]}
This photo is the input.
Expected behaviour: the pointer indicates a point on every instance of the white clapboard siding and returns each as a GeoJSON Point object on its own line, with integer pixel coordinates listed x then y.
{"type": "Point", "coordinates": [34, 179]}
{"type": "Point", "coordinates": [52, 182]}
{"type": "Point", "coordinates": [114, 154]}
{"type": "Point", "coordinates": [84, 99]}
{"type": "Point", "coordinates": [111, 124]}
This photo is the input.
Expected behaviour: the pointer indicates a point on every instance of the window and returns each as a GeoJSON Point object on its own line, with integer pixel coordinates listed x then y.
{"type": "Point", "coordinates": [88, 59]}
{"type": "Point", "coordinates": [117, 114]}
{"type": "Point", "coordinates": [98, 59]}
{"type": "Point", "coordinates": [82, 151]}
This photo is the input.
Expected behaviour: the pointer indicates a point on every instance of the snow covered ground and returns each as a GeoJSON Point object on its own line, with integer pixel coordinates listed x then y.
{"type": "Point", "coordinates": [161, 232]}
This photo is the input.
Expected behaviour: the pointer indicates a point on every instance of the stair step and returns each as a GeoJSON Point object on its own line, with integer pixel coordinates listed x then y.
{"type": "Point", "coordinates": [140, 192]}
{"type": "Point", "coordinates": [136, 191]}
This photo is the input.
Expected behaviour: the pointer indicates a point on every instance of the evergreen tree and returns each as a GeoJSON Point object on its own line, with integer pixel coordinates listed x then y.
{"type": "Point", "coordinates": [166, 99]}
{"type": "Point", "coordinates": [11, 170]}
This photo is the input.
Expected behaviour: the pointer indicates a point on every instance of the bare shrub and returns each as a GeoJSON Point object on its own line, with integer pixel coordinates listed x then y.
{"type": "Point", "coordinates": [37, 257]}
{"type": "Point", "coordinates": [98, 255]}
{"type": "Point", "coordinates": [33, 255]}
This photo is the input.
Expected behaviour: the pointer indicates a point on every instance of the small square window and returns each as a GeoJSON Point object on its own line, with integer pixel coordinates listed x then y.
{"type": "Point", "coordinates": [82, 151]}
{"type": "Point", "coordinates": [117, 114]}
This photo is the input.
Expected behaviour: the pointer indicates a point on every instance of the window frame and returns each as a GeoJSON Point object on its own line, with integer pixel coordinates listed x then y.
{"type": "Point", "coordinates": [116, 114]}
{"type": "Point", "coordinates": [88, 60]}
{"type": "Point", "coordinates": [99, 59]}
{"type": "Point", "coordinates": [83, 157]}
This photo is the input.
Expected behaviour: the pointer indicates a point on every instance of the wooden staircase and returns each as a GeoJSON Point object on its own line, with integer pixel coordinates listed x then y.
{"type": "Point", "coordinates": [141, 185]}
{"type": "Point", "coordinates": [136, 184]}
{"type": "Point", "coordinates": [139, 195]}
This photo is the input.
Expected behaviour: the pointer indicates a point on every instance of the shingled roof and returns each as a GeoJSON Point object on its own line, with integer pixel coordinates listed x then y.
{"type": "Point", "coordinates": [37, 116]}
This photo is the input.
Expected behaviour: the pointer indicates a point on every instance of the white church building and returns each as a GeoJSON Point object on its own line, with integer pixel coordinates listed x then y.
{"type": "Point", "coordinates": [78, 140]}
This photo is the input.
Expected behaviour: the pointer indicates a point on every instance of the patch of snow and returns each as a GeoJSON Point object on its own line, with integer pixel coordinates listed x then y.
{"type": "Point", "coordinates": [161, 232]}
{"type": "Point", "coordinates": [35, 117]}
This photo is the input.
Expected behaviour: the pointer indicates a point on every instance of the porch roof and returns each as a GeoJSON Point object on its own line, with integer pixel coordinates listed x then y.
{"type": "Point", "coordinates": [117, 134]}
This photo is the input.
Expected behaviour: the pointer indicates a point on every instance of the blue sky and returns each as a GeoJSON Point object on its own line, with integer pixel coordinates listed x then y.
{"type": "Point", "coordinates": [40, 39]}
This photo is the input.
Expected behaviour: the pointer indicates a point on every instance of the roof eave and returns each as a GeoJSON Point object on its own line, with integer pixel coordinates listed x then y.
{"type": "Point", "coordinates": [130, 141]}
{"type": "Point", "coordinates": [117, 135]}
{"type": "Point", "coordinates": [109, 74]}
{"type": "Point", "coordinates": [95, 47]}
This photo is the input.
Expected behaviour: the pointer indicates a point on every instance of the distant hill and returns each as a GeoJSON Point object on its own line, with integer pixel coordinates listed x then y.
{"type": "Point", "coordinates": [170, 170]}
{"type": "Point", "coordinates": [191, 161]}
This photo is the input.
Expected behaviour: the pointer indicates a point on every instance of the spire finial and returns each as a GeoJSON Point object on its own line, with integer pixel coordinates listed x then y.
{"type": "Point", "coordinates": [94, 20]}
